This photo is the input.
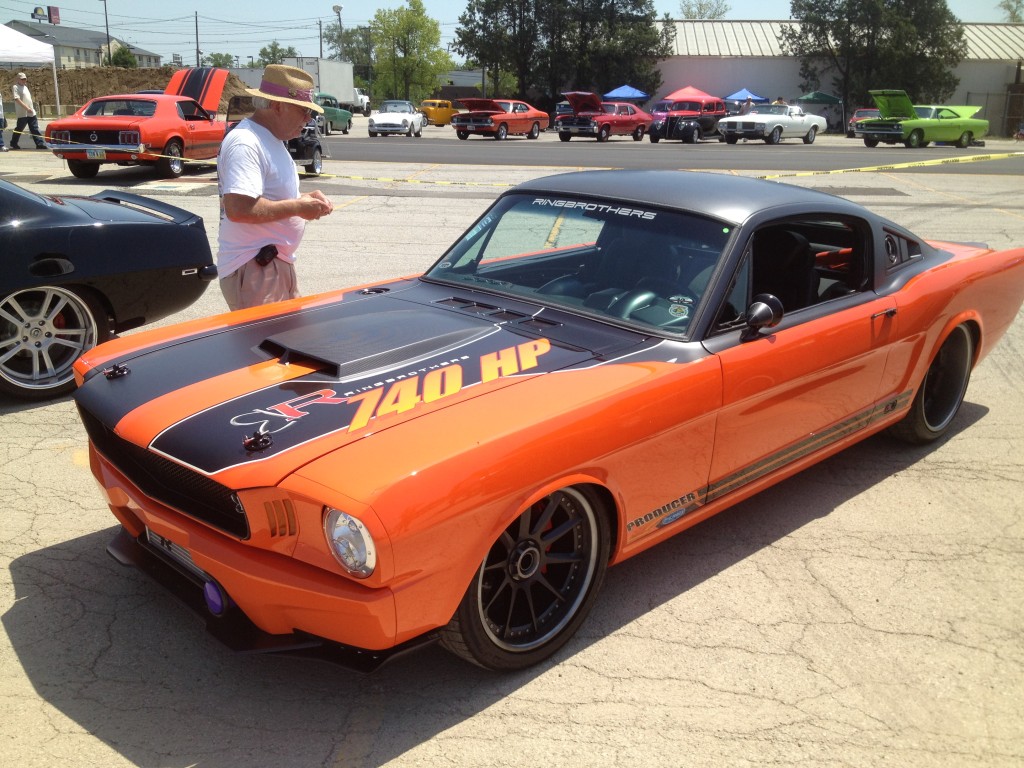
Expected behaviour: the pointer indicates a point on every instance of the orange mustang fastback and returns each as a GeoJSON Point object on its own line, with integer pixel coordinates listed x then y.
{"type": "Point", "coordinates": [603, 360]}
{"type": "Point", "coordinates": [159, 129]}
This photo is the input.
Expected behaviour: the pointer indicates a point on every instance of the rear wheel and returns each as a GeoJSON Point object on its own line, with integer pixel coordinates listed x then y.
{"type": "Point", "coordinates": [171, 166]}
{"type": "Point", "coordinates": [82, 170]}
{"type": "Point", "coordinates": [939, 397]}
{"type": "Point", "coordinates": [638, 133]}
{"type": "Point", "coordinates": [316, 163]}
{"type": "Point", "coordinates": [535, 586]}
{"type": "Point", "coordinates": [965, 140]}
{"type": "Point", "coordinates": [534, 131]}
{"type": "Point", "coordinates": [809, 138]}
{"type": "Point", "coordinates": [42, 332]}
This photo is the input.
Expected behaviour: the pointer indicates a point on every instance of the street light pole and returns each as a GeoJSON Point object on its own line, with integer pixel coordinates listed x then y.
{"type": "Point", "coordinates": [106, 23]}
{"type": "Point", "coordinates": [338, 9]}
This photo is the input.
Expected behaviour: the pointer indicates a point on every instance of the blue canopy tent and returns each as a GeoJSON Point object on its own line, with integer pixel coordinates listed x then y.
{"type": "Point", "coordinates": [626, 93]}
{"type": "Point", "coordinates": [743, 94]}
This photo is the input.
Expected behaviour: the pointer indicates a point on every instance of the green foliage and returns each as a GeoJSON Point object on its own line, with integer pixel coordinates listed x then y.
{"type": "Point", "coordinates": [407, 54]}
{"type": "Point", "coordinates": [863, 45]}
{"type": "Point", "coordinates": [354, 44]}
{"type": "Point", "coordinates": [219, 60]}
{"type": "Point", "coordinates": [275, 54]}
{"type": "Point", "coordinates": [568, 45]}
{"type": "Point", "coordinates": [122, 58]}
{"type": "Point", "coordinates": [1014, 10]}
{"type": "Point", "coordinates": [703, 9]}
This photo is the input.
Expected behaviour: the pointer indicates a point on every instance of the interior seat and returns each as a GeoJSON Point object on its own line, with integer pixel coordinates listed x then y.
{"type": "Point", "coordinates": [784, 267]}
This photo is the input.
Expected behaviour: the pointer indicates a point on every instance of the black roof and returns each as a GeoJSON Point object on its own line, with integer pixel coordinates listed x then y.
{"type": "Point", "coordinates": [731, 199]}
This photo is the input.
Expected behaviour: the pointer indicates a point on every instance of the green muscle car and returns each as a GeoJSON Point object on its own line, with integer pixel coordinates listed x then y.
{"type": "Point", "coordinates": [918, 126]}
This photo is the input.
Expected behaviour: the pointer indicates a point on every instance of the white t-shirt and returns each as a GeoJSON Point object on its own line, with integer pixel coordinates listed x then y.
{"type": "Point", "coordinates": [22, 92]}
{"type": "Point", "coordinates": [252, 162]}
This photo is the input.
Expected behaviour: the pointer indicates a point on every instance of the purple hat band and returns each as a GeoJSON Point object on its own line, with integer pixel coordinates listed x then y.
{"type": "Point", "coordinates": [272, 89]}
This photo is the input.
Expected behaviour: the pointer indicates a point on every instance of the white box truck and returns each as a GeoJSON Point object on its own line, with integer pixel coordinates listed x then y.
{"type": "Point", "coordinates": [335, 78]}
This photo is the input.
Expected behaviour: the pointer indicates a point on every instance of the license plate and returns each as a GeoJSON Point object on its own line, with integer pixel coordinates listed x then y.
{"type": "Point", "coordinates": [96, 154]}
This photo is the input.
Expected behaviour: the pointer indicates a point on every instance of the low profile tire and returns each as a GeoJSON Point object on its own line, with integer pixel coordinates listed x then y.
{"type": "Point", "coordinates": [940, 395]}
{"type": "Point", "coordinates": [638, 133]}
{"type": "Point", "coordinates": [811, 133]}
{"type": "Point", "coordinates": [316, 163]}
{"type": "Point", "coordinates": [604, 132]}
{"type": "Point", "coordinates": [774, 137]}
{"type": "Point", "coordinates": [463, 135]}
{"type": "Point", "coordinates": [965, 140]}
{"type": "Point", "coordinates": [872, 143]}
{"type": "Point", "coordinates": [42, 332]}
{"type": "Point", "coordinates": [915, 140]}
{"type": "Point", "coordinates": [536, 585]}
{"type": "Point", "coordinates": [82, 170]}
{"type": "Point", "coordinates": [534, 131]}
{"type": "Point", "coordinates": [502, 133]}
{"type": "Point", "coordinates": [171, 166]}
{"type": "Point", "coordinates": [564, 136]}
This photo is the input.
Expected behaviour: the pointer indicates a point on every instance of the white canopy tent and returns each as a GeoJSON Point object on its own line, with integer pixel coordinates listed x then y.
{"type": "Point", "coordinates": [22, 49]}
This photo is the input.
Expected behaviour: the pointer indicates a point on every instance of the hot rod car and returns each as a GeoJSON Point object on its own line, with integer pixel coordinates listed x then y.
{"type": "Point", "coordinates": [688, 114]}
{"type": "Point", "coordinates": [76, 269]}
{"type": "Point", "coordinates": [918, 126]}
{"type": "Point", "coordinates": [603, 360]}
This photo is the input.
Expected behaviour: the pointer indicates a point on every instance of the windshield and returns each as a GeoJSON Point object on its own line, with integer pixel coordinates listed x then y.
{"type": "Point", "coordinates": [629, 264]}
{"type": "Point", "coordinates": [396, 106]}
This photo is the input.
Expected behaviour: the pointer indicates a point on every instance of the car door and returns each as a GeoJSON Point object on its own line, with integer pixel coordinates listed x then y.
{"type": "Point", "coordinates": [202, 132]}
{"type": "Point", "coordinates": [798, 388]}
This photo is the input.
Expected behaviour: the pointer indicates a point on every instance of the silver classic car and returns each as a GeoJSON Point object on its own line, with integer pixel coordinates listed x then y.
{"type": "Point", "coordinates": [771, 123]}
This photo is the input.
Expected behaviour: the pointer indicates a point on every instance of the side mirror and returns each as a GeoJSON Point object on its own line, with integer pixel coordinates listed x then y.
{"type": "Point", "coordinates": [765, 311]}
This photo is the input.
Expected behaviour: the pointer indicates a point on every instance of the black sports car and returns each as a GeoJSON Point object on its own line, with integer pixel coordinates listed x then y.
{"type": "Point", "coordinates": [77, 269]}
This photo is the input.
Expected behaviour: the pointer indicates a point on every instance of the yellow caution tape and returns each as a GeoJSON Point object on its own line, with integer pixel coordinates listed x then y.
{"type": "Point", "coordinates": [898, 166]}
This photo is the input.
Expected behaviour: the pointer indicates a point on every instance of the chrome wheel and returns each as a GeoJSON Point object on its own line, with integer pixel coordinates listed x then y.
{"type": "Point", "coordinates": [42, 332]}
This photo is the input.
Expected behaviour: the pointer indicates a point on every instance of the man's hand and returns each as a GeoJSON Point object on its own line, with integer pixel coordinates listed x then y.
{"type": "Point", "coordinates": [247, 210]}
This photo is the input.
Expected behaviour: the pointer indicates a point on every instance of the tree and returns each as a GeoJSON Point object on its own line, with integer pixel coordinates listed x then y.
{"type": "Point", "coordinates": [122, 58]}
{"type": "Point", "coordinates": [912, 45]}
{"type": "Point", "coordinates": [1014, 10]}
{"type": "Point", "coordinates": [219, 60]}
{"type": "Point", "coordinates": [275, 54]}
{"type": "Point", "coordinates": [353, 44]}
{"type": "Point", "coordinates": [409, 60]}
{"type": "Point", "coordinates": [703, 9]}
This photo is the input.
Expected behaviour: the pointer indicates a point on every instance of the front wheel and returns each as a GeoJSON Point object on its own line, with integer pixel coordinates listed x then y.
{"type": "Point", "coordinates": [171, 166]}
{"type": "Point", "coordinates": [731, 139]}
{"type": "Point", "coordinates": [535, 586]}
{"type": "Point", "coordinates": [604, 132]}
{"type": "Point", "coordinates": [502, 133]}
{"type": "Point", "coordinates": [373, 134]}
{"type": "Point", "coordinates": [564, 136]}
{"type": "Point", "coordinates": [915, 140]}
{"type": "Point", "coordinates": [774, 137]}
{"type": "Point", "coordinates": [872, 143]}
{"type": "Point", "coordinates": [654, 139]}
{"type": "Point", "coordinates": [463, 135]}
{"type": "Point", "coordinates": [42, 332]}
{"type": "Point", "coordinates": [809, 138]}
{"type": "Point", "coordinates": [939, 397]}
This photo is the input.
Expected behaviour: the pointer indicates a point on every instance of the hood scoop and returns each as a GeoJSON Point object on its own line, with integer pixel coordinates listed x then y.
{"type": "Point", "coordinates": [351, 347]}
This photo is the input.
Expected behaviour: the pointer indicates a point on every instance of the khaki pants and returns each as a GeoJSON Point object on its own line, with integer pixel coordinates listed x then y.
{"type": "Point", "coordinates": [252, 285]}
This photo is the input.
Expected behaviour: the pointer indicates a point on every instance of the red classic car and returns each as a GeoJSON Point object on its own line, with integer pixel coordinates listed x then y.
{"type": "Point", "coordinates": [861, 113]}
{"type": "Point", "coordinates": [498, 118]}
{"type": "Point", "coordinates": [601, 119]}
{"type": "Point", "coordinates": [145, 128]}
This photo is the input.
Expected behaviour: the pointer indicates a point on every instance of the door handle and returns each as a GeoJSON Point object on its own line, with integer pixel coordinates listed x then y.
{"type": "Point", "coordinates": [891, 312]}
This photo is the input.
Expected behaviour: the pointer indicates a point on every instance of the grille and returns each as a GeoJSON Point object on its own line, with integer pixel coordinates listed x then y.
{"type": "Point", "coordinates": [171, 484]}
{"type": "Point", "coordinates": [102, 137]}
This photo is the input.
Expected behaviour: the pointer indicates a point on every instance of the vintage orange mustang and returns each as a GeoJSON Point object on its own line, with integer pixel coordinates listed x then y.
{"type": "Point", "coordinates": [603, 360]}
{"type": "Point", "coordinates": [163, 130]}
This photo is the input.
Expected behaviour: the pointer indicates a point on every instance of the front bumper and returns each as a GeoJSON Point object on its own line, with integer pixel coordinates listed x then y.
{"type": "Point", "coordinates": [392, 129]}
{"type": "Point", "coordinates": [742, 132]}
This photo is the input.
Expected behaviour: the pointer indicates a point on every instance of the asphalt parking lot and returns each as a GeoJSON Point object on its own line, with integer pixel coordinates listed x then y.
{"type": "Point", "coordinates": [867, 612]}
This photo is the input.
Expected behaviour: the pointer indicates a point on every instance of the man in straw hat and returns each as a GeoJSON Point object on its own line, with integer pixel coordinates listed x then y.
{"type": "Point", "coordinates": [263, 215]}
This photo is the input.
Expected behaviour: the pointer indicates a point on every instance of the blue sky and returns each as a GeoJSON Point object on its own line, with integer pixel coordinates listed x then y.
{"type": "Point", "coordinates": [242, 27]}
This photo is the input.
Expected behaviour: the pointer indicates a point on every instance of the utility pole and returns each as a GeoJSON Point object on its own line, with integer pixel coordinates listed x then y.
{"type": "Point", "coordinates": [320, 24]}
{"type": "Point", "coordinates": [106, 23]}
{"type": "Point", "coordinates": [199, 54]}
{"type": "Point", "coordinates": [338, 9]}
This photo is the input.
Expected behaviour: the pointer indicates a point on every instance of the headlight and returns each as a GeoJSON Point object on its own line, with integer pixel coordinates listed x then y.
{"type": "Point", "coordinates": [371, 122]}
{"type": "Point", "coordinates": [350, 543]}
{"type": "Point", "coordinates": [405, 123]}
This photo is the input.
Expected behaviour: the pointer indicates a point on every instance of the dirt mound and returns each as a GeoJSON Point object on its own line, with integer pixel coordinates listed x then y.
{"type": "Point", "coordinates": [77, 86]}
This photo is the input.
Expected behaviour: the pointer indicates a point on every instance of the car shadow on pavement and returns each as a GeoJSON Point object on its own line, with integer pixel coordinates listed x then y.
{"type": "Point", "coordinates": [135, 669]}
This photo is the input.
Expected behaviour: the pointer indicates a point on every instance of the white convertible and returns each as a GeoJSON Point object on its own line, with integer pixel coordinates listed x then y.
{"type": "Point", "coordinates": [396, 117]}
{"type": "Point", "coordinates": [772, 123]}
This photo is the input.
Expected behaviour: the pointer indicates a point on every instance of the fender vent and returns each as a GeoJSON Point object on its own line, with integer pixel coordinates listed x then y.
{"type": "Point", "coordinates": [281, 517]}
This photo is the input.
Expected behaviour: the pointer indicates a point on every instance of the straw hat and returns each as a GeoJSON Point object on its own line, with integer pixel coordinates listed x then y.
{"type": "Point", "coordinates": [288, 84]}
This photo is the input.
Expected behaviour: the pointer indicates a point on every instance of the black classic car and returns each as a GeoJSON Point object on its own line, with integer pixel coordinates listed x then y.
{"type": "Point", "coordinates": [77, 269]}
